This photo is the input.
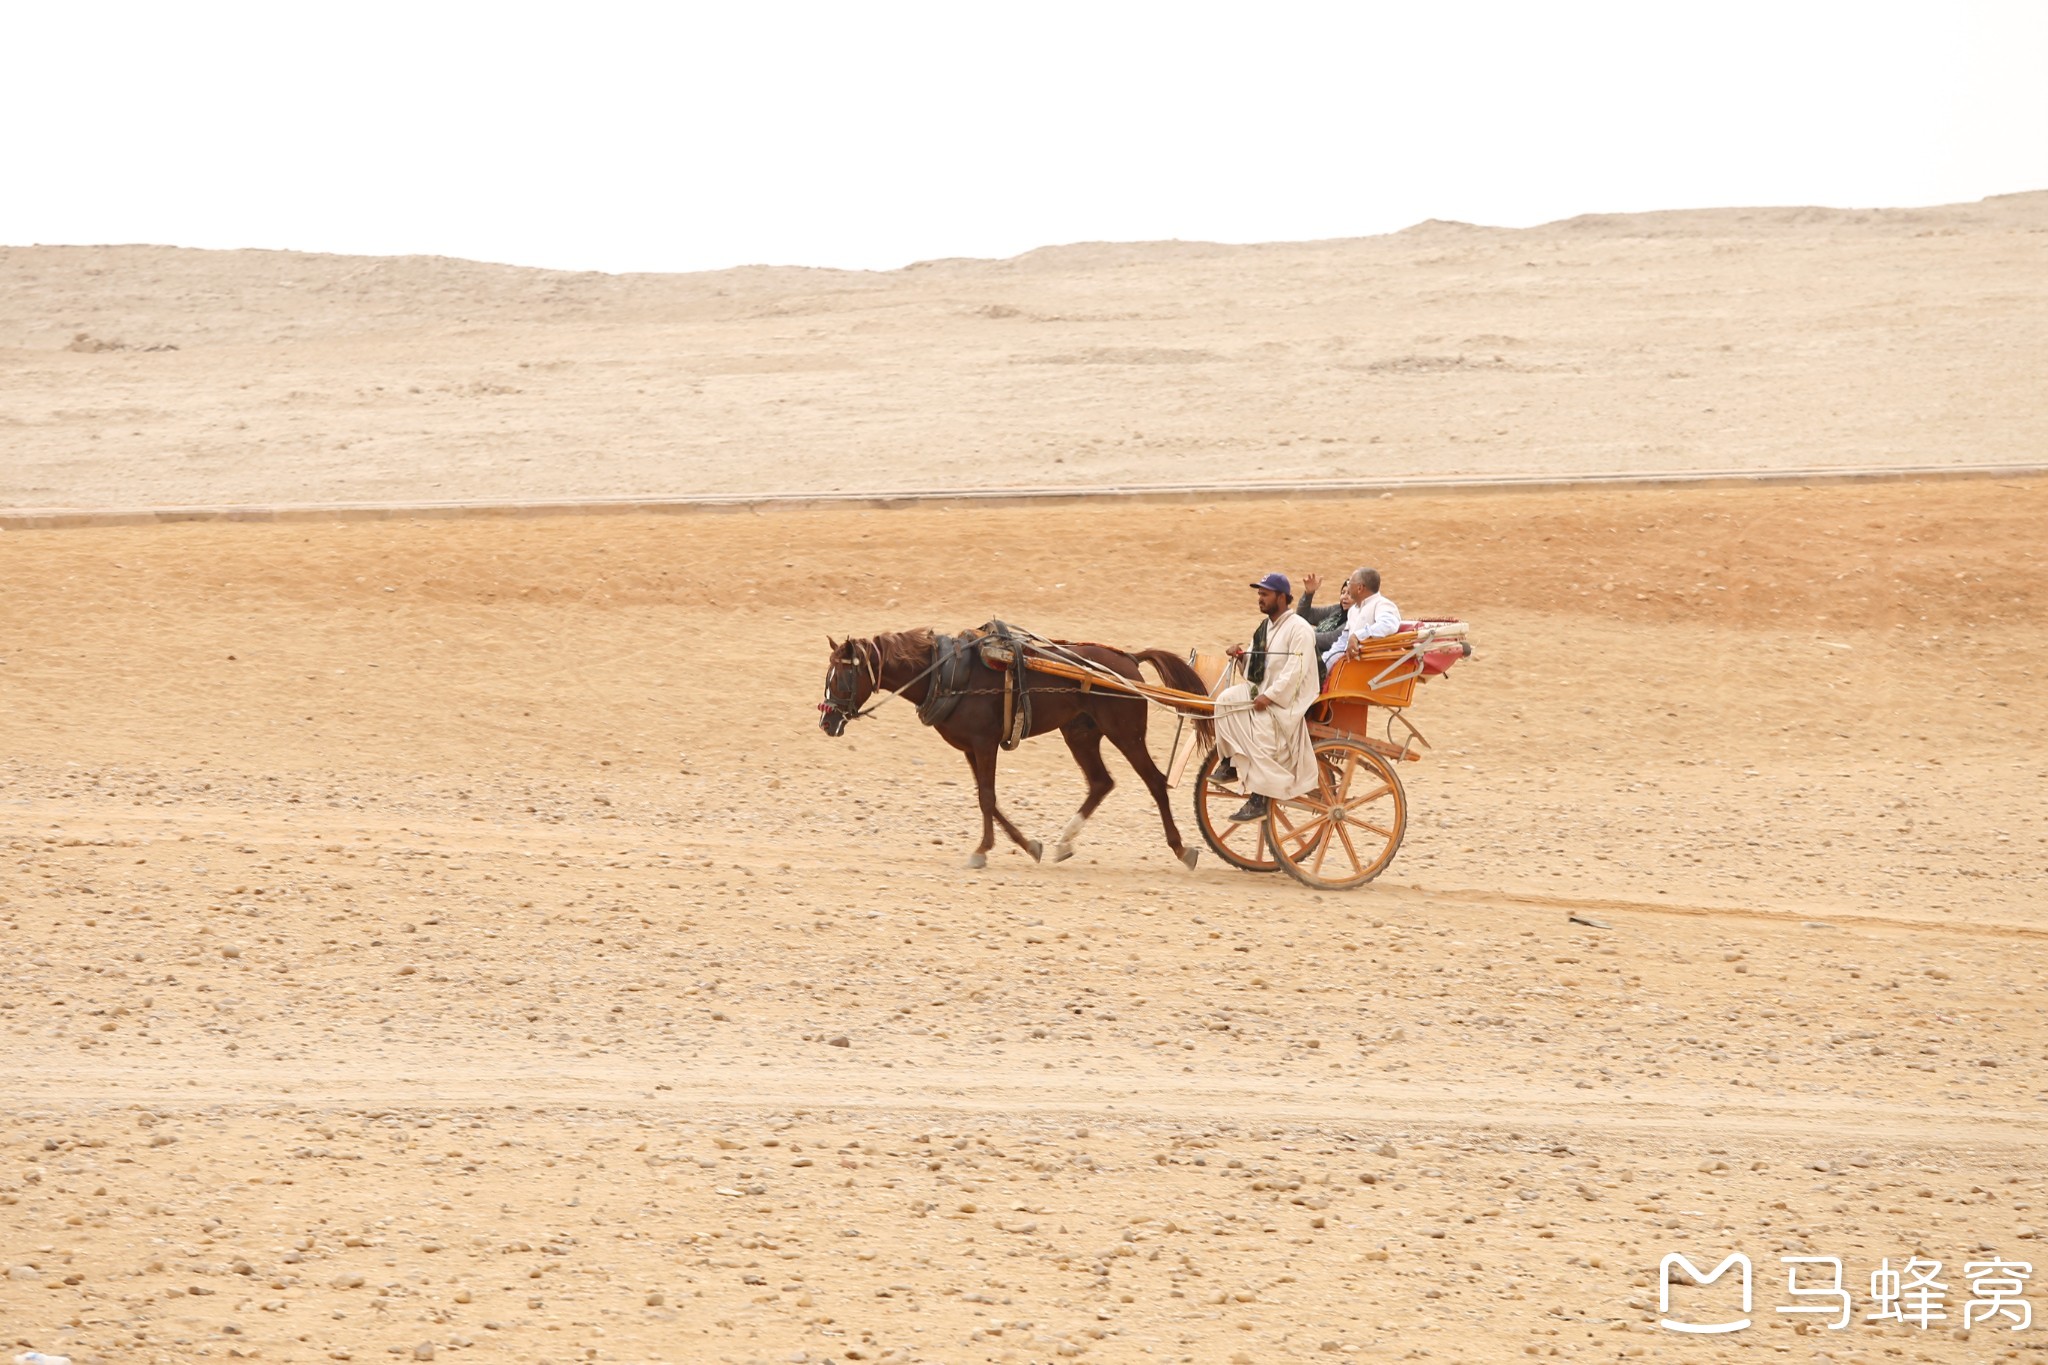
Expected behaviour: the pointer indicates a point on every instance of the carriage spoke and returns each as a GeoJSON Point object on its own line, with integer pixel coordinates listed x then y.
{"type": "Point", "coordinates": [1323, 846]}
{"type": "Point", "coordinates": [1367, 824]}
{"type": "Point", "coordinates": [1325, 788]}
{"type": "Point", "coordinates": [1298, 837]}
{"type": "Point", "coordinates": [1303, 832]}
{"type": "Point", "coordinates": [1357, 862]}
{"type": "Point", "coordinates": [1308, 840]}
{"type": "Point", "coordinates": [1350, 771]}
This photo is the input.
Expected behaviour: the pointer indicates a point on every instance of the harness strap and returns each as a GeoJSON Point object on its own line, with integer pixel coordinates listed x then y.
{"type": "Point", "coordinates": [873, 668]}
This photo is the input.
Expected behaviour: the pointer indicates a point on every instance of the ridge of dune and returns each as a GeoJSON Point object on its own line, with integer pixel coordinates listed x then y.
{"type": "Point", "coordinates": [1759, 338]}
{"type": "Point", "coordinates": [2026, 209]}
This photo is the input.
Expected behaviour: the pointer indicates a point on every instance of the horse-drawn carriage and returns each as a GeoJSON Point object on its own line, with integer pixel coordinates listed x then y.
{"type": "Point", "coordinates": [991, 688]}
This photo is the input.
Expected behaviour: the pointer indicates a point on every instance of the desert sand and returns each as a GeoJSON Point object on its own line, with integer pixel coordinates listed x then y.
{"type": "Point", "coordinates": [436, 934]}
{"type": "Point", "coordinates": [1732, 339]}
{"type": "Point", "coordinates": [456, 940]}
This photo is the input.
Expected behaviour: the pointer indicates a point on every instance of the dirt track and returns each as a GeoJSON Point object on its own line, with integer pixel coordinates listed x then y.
{"type": "Point", "coordinates": [471, 908]}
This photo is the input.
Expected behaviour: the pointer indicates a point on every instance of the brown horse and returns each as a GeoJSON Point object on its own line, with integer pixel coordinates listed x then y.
{"type": "Point", "coordinates": [903, 663]}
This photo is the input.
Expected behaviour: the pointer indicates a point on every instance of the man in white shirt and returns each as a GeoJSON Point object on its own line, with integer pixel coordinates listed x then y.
{"type": "Point", "coordinates": [1370, 615]}
{"type": "Point", "coordinates": [1261, 727]}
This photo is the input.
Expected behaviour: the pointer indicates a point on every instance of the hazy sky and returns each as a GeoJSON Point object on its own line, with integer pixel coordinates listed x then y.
{"type": "Point", "coordinates": [684, 136]}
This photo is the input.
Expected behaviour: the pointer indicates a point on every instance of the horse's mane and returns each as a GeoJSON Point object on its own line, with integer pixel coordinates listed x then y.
{"type": "Point", "coordinates": [905, 646]}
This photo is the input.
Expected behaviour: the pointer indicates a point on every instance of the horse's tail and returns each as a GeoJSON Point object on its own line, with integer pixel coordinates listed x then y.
{"type": "Point", "coordinates": [1180, 675]}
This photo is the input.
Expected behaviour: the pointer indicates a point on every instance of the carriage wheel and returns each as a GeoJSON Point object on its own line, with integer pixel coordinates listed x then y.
{"type": "Point", "coordinates": [1345, 831]}
{"type": "Point", "coordinates": [1240, 845]}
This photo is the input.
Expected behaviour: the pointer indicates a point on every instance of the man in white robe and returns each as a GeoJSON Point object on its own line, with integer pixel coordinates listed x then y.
{"type": "Point", "coordinates": [1262, 727]}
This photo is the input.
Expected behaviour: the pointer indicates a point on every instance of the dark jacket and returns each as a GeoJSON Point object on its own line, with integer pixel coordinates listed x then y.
{"type": "Point", "coordinates": [1328, 621]}
{"type": "Point", "coordinates": [1322, 618]}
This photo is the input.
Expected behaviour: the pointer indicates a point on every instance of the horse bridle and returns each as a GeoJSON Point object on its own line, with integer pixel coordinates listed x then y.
{"type": "Point", "coordinates": [841, 703]}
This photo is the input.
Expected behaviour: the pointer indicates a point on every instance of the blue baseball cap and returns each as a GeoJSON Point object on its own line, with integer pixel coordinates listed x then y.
{"type": "Point", "coordinates": [1276, 582]}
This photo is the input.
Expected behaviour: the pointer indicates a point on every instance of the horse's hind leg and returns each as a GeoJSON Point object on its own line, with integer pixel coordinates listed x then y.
{"type": "Point", "coordinates": [1131, 743]}
{"type": "Point", "coordinates": [983, 760]}
{"type": "Point", "coordinates": [1084, 741]}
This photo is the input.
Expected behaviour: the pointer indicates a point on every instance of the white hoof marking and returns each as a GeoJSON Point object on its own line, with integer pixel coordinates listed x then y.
{"type": "Point", "coordinates": [1070, 832]}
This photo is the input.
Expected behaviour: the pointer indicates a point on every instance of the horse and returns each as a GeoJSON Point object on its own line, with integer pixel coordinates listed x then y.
{"type": "Point", "coordinates": [903, 662]}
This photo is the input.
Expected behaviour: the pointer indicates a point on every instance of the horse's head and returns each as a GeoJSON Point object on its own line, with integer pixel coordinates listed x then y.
{"type": "Point", "coordinates": [849, 682]}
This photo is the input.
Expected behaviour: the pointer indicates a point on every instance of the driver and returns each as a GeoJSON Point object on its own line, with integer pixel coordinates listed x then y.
{"type": "Point", "coordinates": [1261, 727]}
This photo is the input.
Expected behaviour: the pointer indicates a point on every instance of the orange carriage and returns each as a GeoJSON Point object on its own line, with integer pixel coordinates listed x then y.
{"type": "Point", "coordinates": [1345, 831]}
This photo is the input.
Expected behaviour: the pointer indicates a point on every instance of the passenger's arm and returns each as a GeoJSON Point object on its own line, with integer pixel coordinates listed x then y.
{"type": "Point", "coordinates": [1322, 618]}
{"type": "Point", "coordinates": [1386, 620]}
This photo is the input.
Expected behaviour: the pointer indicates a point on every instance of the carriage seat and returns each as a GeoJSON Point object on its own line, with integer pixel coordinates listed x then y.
{"type": "Point", "coordinates": [1434, 643]}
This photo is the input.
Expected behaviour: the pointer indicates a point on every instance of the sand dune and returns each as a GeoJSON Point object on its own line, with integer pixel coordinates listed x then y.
{"type": "Point", "coordinates": [1765, 338]}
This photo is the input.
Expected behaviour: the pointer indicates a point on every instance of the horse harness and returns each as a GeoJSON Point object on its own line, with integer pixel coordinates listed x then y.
{"type": "Point", "coordinates": [1001, 649]}
{"type": "Point", "coordinates": [950, 661]}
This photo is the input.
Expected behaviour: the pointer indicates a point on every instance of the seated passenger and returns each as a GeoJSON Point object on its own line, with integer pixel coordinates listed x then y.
{"type": "Point", "coordinates": [1368, 616]}
{"type": "Point", "coordinates": [1328, 621]}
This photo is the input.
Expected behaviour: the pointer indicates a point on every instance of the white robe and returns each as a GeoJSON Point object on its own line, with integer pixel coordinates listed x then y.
{"type": "Point", "coordinates": [1271, 748]}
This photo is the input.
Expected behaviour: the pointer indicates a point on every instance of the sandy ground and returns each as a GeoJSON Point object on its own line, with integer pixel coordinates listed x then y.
{"type": "Point", "coordinates": [1736, 339]}
{"type": "Point", "coordinates": [437, 939]}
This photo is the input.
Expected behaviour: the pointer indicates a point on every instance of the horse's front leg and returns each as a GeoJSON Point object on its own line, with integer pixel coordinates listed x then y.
{"type": "Point", "coordinates": [983, 757]}
{"type": "Point", "coordinates": [985, 792]}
